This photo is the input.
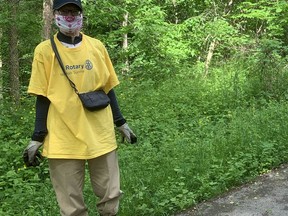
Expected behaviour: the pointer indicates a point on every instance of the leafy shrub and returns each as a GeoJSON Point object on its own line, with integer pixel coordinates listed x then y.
{"type": "Point", "coordinates": [198, 137]}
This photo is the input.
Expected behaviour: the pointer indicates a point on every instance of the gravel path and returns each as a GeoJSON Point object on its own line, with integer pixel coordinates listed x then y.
{"type": "Point", "coordinates": [266, 196]}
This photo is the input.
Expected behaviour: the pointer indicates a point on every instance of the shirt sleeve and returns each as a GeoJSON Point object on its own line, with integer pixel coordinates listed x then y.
{"type": "Point", "coordinates": [38, 81]}
{"type": "Point", "coordinates": [113, 79]}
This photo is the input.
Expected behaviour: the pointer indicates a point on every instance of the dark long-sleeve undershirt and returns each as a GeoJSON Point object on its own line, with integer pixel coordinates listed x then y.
{"type": "Point", "coordinates": [117, 115]}
{"type": "Point", "coordinates": [42, 107]}
{"type": "Point", "coordinates": [40, 129]}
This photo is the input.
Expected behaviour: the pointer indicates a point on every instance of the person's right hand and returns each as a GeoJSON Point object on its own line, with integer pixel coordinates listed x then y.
{"type": "Point", "coordinates": [31, 154]}
{"type": "Point", "coordinates": [127, 133]}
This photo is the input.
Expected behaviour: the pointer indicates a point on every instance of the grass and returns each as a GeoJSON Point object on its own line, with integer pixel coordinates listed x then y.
{"type": "Point", "coordinates": [197, 139]}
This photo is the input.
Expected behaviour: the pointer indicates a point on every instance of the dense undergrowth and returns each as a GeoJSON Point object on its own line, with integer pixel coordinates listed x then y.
{"type": "Point", "coordinates": [198, 137]}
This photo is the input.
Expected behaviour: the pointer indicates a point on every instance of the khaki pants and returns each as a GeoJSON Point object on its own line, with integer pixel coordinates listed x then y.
{"type": "Point", "coordinates": [68, 176]}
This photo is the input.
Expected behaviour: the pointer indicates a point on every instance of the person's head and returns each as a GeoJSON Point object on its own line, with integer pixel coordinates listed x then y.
{"type": "Point", "coordinates": [68, 16]}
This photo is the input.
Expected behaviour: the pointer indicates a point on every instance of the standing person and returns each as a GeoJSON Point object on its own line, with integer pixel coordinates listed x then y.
{"type": "Point", "coordinates": [71, 135]}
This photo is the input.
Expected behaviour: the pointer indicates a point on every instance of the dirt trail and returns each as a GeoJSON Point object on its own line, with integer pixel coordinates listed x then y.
{"type": "Point", "coordinates": [266, 196]}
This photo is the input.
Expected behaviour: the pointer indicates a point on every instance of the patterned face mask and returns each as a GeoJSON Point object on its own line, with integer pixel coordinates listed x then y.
{"type": "Point", "coordinates": [69, 24]}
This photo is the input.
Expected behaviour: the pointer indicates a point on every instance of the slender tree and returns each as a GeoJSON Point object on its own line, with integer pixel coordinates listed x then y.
{"type": "Point", "coordinates": [13, 52]}
{"type": "Point", "coordinates": [125, 43]}
{"type": "Point", "coordinates": [47, 18]}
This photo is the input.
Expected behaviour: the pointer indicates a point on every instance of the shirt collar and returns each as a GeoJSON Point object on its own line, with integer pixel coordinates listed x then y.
{"type": "Point", "coordinates": [67, 39]}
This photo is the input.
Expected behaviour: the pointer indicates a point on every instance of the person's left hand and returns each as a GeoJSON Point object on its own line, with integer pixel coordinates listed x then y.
{"type": "Point", "coordinates": [127, 133]}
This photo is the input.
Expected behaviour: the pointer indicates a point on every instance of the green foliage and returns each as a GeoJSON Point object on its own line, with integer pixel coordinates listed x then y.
{"type": "Point", "coordinates": [263, 17]}
{"type": "Point", "coordinates": [268, 75]}
{"type": "Point", "coordinates": [163, 36]}
{"type": "Point", "coordinates": [147, 34]}
{"type": "Point", "coordinates": [25, 188]}
{"type": "Point", "coordinates": [28, 22]}
{"type": "Point", "coordinates": [198, 136]}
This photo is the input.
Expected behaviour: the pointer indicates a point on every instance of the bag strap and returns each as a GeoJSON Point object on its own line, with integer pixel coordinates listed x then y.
{"type": "Point", "coordinates": [54, 47]}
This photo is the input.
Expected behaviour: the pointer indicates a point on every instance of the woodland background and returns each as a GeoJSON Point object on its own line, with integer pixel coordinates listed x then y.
{"type": "Point", "coordinates": [203, 85]}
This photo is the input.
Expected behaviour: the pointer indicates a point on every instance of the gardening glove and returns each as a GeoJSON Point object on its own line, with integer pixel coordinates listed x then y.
{"type": "Point", "coordinates": [31, 154]}
{"type": "Point", "coordinates": [127, 133]}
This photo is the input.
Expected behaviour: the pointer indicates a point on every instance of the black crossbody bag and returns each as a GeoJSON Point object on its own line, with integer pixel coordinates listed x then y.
{"type": "Point", "coordinates": [92, 101]}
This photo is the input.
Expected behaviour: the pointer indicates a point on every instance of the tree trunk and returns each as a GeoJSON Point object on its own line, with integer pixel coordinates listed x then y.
{"type": "Point", "coordinates": [176, 13]}
{"type": "Point", "coordinates": [13, 54]}
{"type": "Point", "coordinates": [209, 57]}
{"type": "Point", "coordinates": [47, 17]}
{"type": "Point", "coordinates": [125, 44]}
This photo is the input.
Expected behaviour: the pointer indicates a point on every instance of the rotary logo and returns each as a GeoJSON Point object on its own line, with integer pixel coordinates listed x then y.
{"type": "Point", "coordinates": [88, 65]}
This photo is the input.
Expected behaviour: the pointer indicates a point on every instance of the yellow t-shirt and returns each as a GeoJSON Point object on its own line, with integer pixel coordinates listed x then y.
{"type": "Point", "coordinates": [74, 132]}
